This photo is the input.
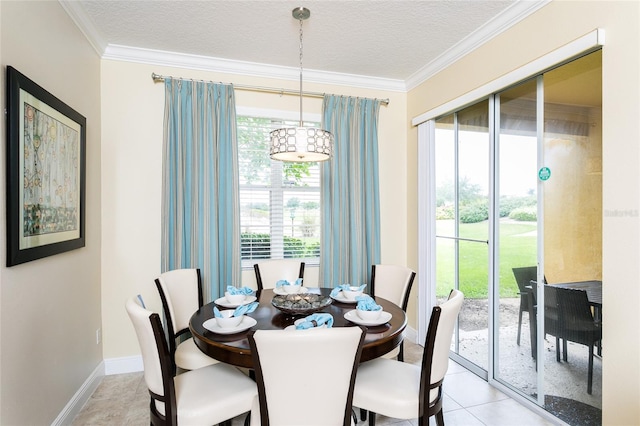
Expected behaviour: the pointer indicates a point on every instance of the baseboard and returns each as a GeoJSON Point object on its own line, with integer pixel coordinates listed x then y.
{"type": "Point", "coordinates": [129, 364]}
{"type": "Point", "coordinates": [411, 335]}
{"type": "Point", "coordinates": [83, 394]}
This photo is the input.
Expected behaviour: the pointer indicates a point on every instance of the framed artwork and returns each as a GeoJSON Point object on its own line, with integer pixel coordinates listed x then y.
{"type": "Point", "coordinates": [46, 142]}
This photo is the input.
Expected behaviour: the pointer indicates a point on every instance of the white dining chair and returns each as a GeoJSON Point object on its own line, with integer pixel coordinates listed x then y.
{"type": "Point", "coordinates": [406, 391]}
{"type": "Point", "coordinates": [181, 294]}
{"type": "Point", "coordinates": [392, 282]}
{"type": "Point", "coordinates": [206, 396]}
{"type": "Point", "coordinates": [269, 272]}
{"type": "Point", "coordinates": [305, 377]}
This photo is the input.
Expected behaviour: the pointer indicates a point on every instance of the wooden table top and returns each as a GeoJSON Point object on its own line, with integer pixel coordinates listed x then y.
{"type": "Point", "coordinates": [234, 348]}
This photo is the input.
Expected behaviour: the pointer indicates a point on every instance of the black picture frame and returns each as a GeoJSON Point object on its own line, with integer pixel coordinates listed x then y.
{"type": "Point", "coordinates": [46, 172]}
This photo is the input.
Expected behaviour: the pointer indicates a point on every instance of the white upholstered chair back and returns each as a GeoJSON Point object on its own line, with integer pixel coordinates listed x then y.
{"type": "Point", "coordinates": [208, 395]}
{"type": "Point", "coordinates": [180, 287]}
{"type": "Point", "coordinates": [392, 282]}
{"type": "Point", "coordinates": [140, 317]}
{"type": "Point", "coordinates": [306, 376]}
{"type": "Point", "coordinates": [448, 314]}
{"type": "Point", "coordinates": [269, 272]}
{"type": "Point", "coordinates": [181, 294]}
{"type": "Point", "coordinates": [402, 390]}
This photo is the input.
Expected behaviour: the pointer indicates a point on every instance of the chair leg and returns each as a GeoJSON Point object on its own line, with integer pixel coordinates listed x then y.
{"type": "Point", "coordinates": [363, 414]}
{"type": "Point", "coordinates": [533, 335]}
{"type": "Point", "coordinates": [372, 418]}
{"type": "Point", "coordinates": [564, 349]}
{"type": "Point", "coordinates": [533, 331]}
{"type": "Point", "coordinates": [423, 420]}
{"type": "Point", "coordinates": [401, 353]}
{"type": "Point", "coordinates": [557, 349]}
{"type": "Point", "coordinates": [590, 377]}
{"type": "Point", "coordinates": [440, 418]}
{"type": "Point", "coordinates": [519, 327]}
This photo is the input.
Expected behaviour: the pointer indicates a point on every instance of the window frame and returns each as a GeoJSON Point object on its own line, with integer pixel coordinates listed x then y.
{"type": "Point", "coordinates": [285, 115]}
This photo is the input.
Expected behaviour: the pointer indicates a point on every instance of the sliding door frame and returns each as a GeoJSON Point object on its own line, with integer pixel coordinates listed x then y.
{"type": "Point", "coordinates": [426, 195]}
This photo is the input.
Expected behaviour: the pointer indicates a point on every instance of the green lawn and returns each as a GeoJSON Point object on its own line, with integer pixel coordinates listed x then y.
{"type": "Point", "coordinates": [517, 248]}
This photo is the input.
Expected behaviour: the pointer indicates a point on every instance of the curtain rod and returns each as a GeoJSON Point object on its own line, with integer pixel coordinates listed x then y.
{"type": "Point", "coordinates": [158, 78]}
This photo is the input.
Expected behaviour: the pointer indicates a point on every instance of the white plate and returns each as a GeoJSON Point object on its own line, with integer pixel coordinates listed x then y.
{"type": "Point", "coordinates": [224, 302]}
{"type": "Point", "coordinates": [340, 298]}
{"type": "Point", "coordinates": [212, 325]}
{"type": "Point", "coordinates": [298, 321]}
{"type": "Point", "coordinates": [353, 317]}
{"type": "Point", "coordinates": [280, 291]}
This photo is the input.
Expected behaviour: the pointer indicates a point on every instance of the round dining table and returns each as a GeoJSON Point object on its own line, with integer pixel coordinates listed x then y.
{"type": "Point", "coordinates": [234, 348]}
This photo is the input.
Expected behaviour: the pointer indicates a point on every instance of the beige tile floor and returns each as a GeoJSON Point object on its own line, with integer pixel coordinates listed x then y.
{"type": "Point", "coordinates": [123, 399]}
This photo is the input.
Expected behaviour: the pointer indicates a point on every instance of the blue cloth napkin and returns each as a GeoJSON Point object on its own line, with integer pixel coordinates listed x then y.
{"type": "Point", "coordinates": [315, 320]}
{"type": "Point", "coordinates": [242, 290]}
{"type": "Point", "coordinates": [280, 283]}
{"type": "Point", "coordinates": [338, 289]}
{"type": "Point", "coordinates": [239, 311]}
{"type": "Point", "coordinates": [141, 301]}
{"type": "Point", "coordinates": [366, 303]}
{"type": "Point", "coordinates": [245, 309]}
{"type": "Point", "coordinates": [341, 287]}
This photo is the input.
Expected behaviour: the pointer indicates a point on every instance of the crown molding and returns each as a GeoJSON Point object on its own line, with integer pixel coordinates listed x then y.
{"type": "Point", "coordinates": [77, 14]}
{"type": "Point", "coordinates": [500, 23]}
{"type": "Point", "coordinates": [509, 17]}
{"type": "Point", "coordinates": [587, 43]}
{"type": "Point", "coordinates": [181, 60]}
{"type": "Point", "coordinates": [206, 63]}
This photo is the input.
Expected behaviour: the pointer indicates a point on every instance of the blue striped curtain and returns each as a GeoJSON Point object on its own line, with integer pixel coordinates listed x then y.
{"type": "Point", "coordinates": [350, 241]}
{"type": "Point", "coordinates": [200, 198]}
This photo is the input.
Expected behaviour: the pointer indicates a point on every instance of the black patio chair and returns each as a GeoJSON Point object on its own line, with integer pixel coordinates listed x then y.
{"type": "Point", "coordinates": [524, 276]}
{"type": "Point", "coordinates": [577, 324]}
{"type": "Point", "coordinates": [552, 324]}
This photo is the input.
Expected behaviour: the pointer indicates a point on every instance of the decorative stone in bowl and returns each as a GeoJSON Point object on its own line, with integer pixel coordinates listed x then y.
{"type": "Point", "coordinates": [300, 304]}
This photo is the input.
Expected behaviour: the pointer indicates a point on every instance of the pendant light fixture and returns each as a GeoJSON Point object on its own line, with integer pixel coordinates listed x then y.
{"type": "Point", "coordinates": [301, 144]}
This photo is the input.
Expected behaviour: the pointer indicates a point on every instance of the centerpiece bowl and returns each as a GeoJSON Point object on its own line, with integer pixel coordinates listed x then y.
{"type": "Point", "coordinates": [301, 304]}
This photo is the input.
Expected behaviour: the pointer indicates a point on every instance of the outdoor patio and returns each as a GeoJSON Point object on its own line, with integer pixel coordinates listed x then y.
{"type": "Point", "coordinates": [565, 382]}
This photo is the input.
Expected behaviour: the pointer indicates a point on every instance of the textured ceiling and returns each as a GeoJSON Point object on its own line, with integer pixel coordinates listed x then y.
{"type": "Point", "coordinates": [383, 39]}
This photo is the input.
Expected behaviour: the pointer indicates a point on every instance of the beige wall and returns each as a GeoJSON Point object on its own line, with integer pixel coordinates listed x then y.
{"type": "Point", "coordinates": [573, 206]}
{"type": "Point", "coordinates": [50, 308]}
{"type": "Point", "coordinates": [551, 27]}
{"type": "Point", "coordinates": [132, 113]}
{"type": "Point", "coordinates": [57, 302]}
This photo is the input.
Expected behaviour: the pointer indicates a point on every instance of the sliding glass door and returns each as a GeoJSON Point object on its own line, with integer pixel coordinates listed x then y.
{"type": "Point", "coordinates": [462, 226]}
{"type": "Point", "coordinates": [517, 186]}
{"type": "Point", "coordinates": [516, 242]}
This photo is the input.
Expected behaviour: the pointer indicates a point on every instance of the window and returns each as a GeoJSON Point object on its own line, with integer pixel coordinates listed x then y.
{"type": "Point", "coordinates": [279, 202]}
